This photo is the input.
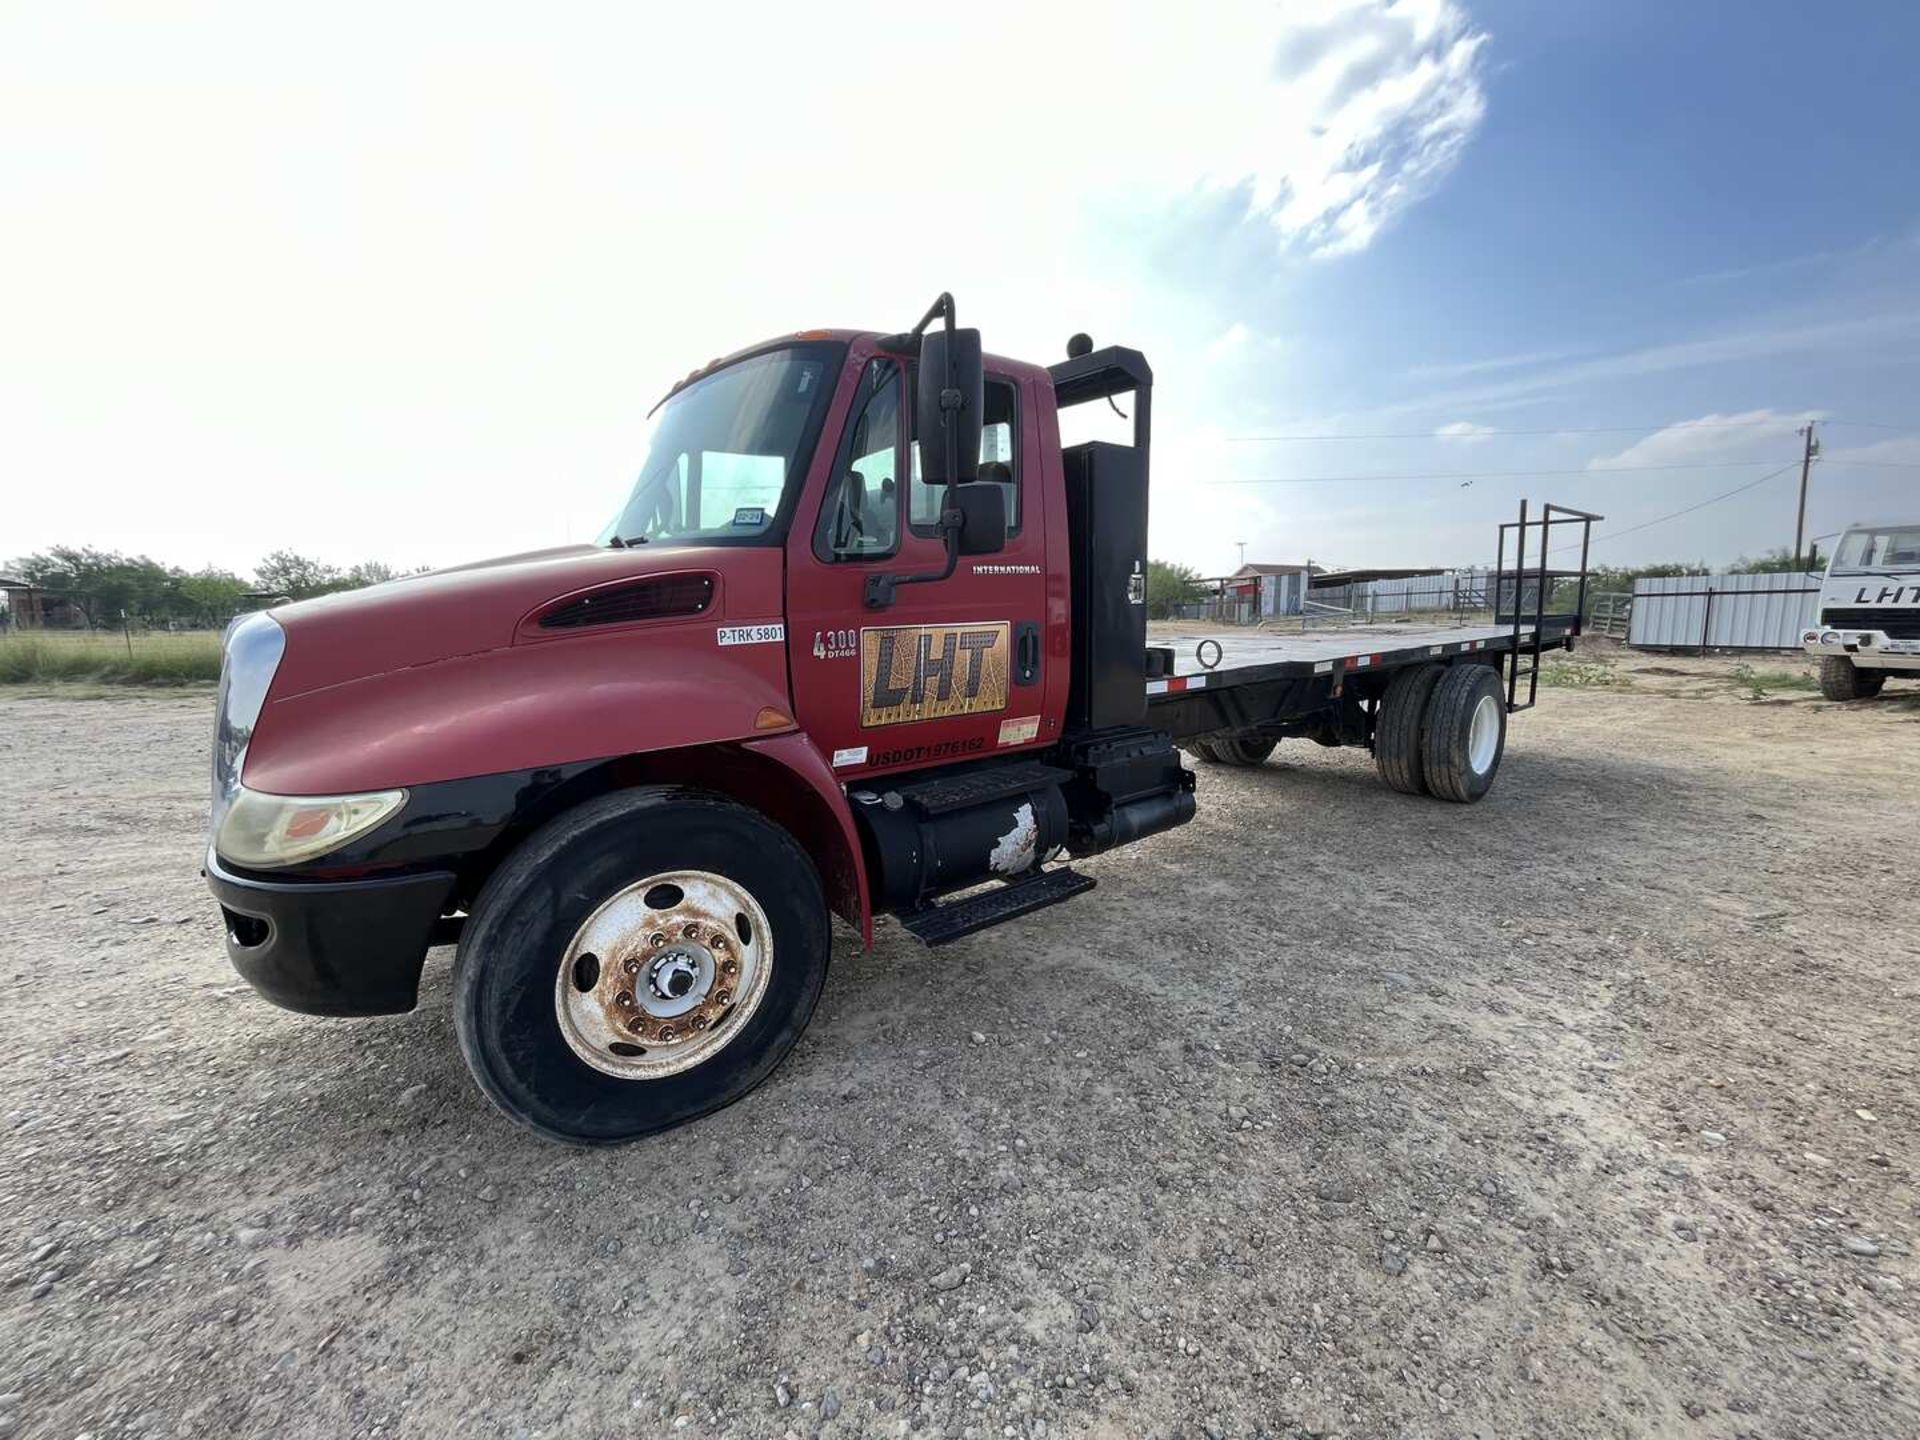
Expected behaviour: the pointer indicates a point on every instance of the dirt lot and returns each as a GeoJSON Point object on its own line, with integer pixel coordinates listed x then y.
{"type": "Point", "coordinates": [1589, 1110]}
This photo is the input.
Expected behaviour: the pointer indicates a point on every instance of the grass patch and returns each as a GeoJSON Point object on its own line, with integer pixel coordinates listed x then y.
{"type": "Point", "coordinates": [1757, 683]}
{"type": "Point", "coordinates": [1583, 672]}
{"type": "Point", "coordinates": [42, 657]}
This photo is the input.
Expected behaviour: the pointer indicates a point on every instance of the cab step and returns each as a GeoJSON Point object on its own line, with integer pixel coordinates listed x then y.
{"type": "Point", "coordinates": [939, 924]}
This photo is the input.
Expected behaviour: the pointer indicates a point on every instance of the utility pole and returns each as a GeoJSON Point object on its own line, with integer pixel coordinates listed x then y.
{"type": "Point", "coordinates": [1807, 454]}
{"type": "Point", "coordinates": [1243, 553]}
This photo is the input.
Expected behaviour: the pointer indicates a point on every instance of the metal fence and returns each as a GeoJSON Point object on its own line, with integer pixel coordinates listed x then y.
{"type": "Point", "coordinates": [1456, 590]}
{"type": "Point", "coordinates": [1724, 612]}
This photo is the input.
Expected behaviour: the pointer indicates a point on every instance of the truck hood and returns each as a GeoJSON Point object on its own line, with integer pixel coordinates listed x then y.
{"type": "Point", "coordinates": [462, 610]}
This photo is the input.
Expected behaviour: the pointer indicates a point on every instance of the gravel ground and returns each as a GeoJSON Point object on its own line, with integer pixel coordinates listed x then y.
{"type": "Point", "coordinates": [1589, 1110]}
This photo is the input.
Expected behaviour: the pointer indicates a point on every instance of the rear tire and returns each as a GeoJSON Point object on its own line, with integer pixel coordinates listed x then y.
{"type": "Point", "coordinates": [1841, 679]}
{"type": "Point", "coordinates": [1465, 733]}
{"type": "Point", "coordinates": [628, 872]}
{"type": "Point", "coordinates": [1402, 724]}
{"type": "Point", "coordinates": [1237, 751]}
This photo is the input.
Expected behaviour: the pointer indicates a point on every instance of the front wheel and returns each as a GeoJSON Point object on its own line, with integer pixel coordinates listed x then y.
{"type": "Point", "coordinates": [1841, 679]}
{"type": "Point", "coordinates": [641, 961]}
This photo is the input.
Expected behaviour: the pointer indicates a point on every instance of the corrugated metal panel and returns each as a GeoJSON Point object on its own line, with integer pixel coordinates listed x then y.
{"type": "Point", "coordinates": [1724, 612]}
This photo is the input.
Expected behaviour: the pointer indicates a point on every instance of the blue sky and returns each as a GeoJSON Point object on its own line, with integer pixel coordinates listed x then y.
{"type": "Point", "coordinates": [401, 283]}
{"type": "Point", "coordinates": [1667, 213]}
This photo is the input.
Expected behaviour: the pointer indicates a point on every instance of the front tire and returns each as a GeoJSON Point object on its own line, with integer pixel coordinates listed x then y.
{"type": "Point", "coordinates": [1465, 733]}
{"type": "Point", "coordinates": [641, 961]}
{"type": "Point", "coordinates": [1841, 679]}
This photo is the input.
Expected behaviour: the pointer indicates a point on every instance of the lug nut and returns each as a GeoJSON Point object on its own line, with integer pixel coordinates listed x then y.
{"type": "Point", "coordinates": [667, 1035]}
{"type": "Point", "coordinates": [630, 965]}
{"type": "Point", "coordinates": [624, 999]}
{"type": "Point", "coordinates": [637, 1024]}
{"type": "Point", "coordinates": [725, 997]}
{"type": "Point", "coordinates": [656, 941]}
{"type": "Point", "coordinates": [691, 930]}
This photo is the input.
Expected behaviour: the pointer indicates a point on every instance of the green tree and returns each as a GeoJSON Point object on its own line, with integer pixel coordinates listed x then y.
{"type": "Point", "coordinates": [1777, 561]}
{"type": "Point", "coordinates": [211, 597]}
{"type": "Point", "coordinates": [1167, 585]}
{"type": "Point", "coordinates": [103, 585]}
{"type": "Point", "coordinates": [370, 572]}
{"type": "Point", "coordinates": [296, 576]}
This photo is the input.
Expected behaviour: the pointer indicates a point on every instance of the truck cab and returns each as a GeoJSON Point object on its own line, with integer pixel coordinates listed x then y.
{"type": "Point", "coordinates": [1869, 622]}
{"type": "Point", "coordinates": [863, 639]}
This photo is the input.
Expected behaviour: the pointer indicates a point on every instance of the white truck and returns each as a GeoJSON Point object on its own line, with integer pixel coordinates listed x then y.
{"type": "Point", "coordinates": [1869, 611]}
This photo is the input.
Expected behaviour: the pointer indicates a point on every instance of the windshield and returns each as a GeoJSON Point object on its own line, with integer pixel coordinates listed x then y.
{"type": "Point", "coordinates": [1892, 547]}
{"type": "Point", "coordinates": [721, 453]}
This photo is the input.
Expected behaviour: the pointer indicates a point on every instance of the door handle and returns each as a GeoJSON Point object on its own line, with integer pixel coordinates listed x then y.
{"type": "Point", "coordinates": [1026, 653]}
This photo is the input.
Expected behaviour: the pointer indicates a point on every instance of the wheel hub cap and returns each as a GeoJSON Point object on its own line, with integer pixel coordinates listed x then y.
{"type": "Point", "coordinates": [663, 974]}
{"type": "Point", "coordinates": [1484, 737]}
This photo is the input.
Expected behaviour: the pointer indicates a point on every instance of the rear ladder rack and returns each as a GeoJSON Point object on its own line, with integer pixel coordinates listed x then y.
{"type": "Point", "coordinates": [1510, 588]}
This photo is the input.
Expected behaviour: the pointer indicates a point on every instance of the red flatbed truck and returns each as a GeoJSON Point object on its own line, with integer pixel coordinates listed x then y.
{"type": "Point", "coordinates": [814, 667]}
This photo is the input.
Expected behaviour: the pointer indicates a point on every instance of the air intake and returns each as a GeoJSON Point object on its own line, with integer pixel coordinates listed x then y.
{"type": "Point", "coordinates": [661, 599]}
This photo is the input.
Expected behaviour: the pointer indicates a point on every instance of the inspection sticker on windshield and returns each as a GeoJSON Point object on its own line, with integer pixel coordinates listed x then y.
{"type": "Point", "coordinates": [753, 634]}
{"type": "Point", "coordinates": [750, 515]}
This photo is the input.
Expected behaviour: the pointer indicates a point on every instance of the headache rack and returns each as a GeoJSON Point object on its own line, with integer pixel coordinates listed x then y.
{"type": "Point", "coordinates": [1537, 598]}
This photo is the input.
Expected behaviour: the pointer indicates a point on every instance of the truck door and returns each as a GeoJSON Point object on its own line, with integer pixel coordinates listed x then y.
{"type": "Point", "coordinates": [954, 669]}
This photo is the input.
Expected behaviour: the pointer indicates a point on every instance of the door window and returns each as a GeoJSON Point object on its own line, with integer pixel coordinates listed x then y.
{"type": "Point", "coordinates": [861, 517]}
{"type": "Point", "coordinates": [999, 462]}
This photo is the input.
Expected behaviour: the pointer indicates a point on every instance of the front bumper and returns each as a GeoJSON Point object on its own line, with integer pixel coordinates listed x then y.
{"type": "Point", "coordinates": [1873, 649]}
{"type": "Point", "coordinates": [347, 947]}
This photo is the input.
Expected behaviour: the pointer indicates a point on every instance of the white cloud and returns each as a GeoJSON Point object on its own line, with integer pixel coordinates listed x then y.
{"type": "Point", "coordinates": [1713, 438]}
{"type": "Point", "coordinates": [1465, 430]}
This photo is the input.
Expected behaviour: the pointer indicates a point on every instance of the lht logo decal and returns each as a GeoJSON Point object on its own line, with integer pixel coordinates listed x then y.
{"type": "Point", "coordinates": [929, 672]}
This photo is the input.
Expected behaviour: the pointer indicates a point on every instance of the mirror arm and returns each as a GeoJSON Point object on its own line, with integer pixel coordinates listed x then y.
{"type": "Point", "coordinates": [880, 588]}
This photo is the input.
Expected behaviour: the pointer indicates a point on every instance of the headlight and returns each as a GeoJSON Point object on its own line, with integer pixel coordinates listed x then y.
{"type": "Point", "coordinates": [1831, 637]}
{"type": "Point", "coordinates": [266, 831]}
{"type": "Point", "coordinates": [250, 655]}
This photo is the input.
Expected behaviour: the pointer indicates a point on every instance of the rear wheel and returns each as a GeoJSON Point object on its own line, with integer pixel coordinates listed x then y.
{"type": "Point", "coordinates": [1465, 733]}
{"type": "Point", "coordinates": [643, 960]}
{"type": "Point", "coordinates": [1234, 750]}
{"type": "Point", "coordinates": [1397, 735]}
{"type": "Point", "coordinates": [1841, 679]}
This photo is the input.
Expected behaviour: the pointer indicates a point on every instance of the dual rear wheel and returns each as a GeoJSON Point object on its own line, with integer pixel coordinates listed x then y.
{"type": "Point", "coordinates": [1442, 730]}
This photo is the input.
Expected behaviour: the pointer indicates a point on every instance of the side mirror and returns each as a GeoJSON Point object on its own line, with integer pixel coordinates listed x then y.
{"type": "Point", "coordinates": [983, 518]}
{"type": "Point", "coordinates": [948, 396]}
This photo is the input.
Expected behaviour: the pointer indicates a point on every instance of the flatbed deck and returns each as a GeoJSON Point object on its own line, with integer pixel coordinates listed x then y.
{"type": "Point", "coordinates": [1254, 656]}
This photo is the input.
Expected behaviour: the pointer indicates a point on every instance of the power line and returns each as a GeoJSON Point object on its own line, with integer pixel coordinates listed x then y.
{"type": "Point", "coordinates": [1486, 474]}
{"type": "Point", "coordinates": [1481, 434]}
{"type": "Point", "coordinates": [1711, 500]}
{"type": "Point", "coordinates": [1671, 425]}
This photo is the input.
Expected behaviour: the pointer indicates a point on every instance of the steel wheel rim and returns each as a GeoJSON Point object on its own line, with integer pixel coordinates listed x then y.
{"type": "Point", "coordinates": [663, 975]}
{"type": "Point", "coordinates": [1484, 736]}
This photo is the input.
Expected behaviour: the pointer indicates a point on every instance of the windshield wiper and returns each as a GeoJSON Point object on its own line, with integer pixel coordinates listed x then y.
{"type": "Point", "coordinates": [617, 543]}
